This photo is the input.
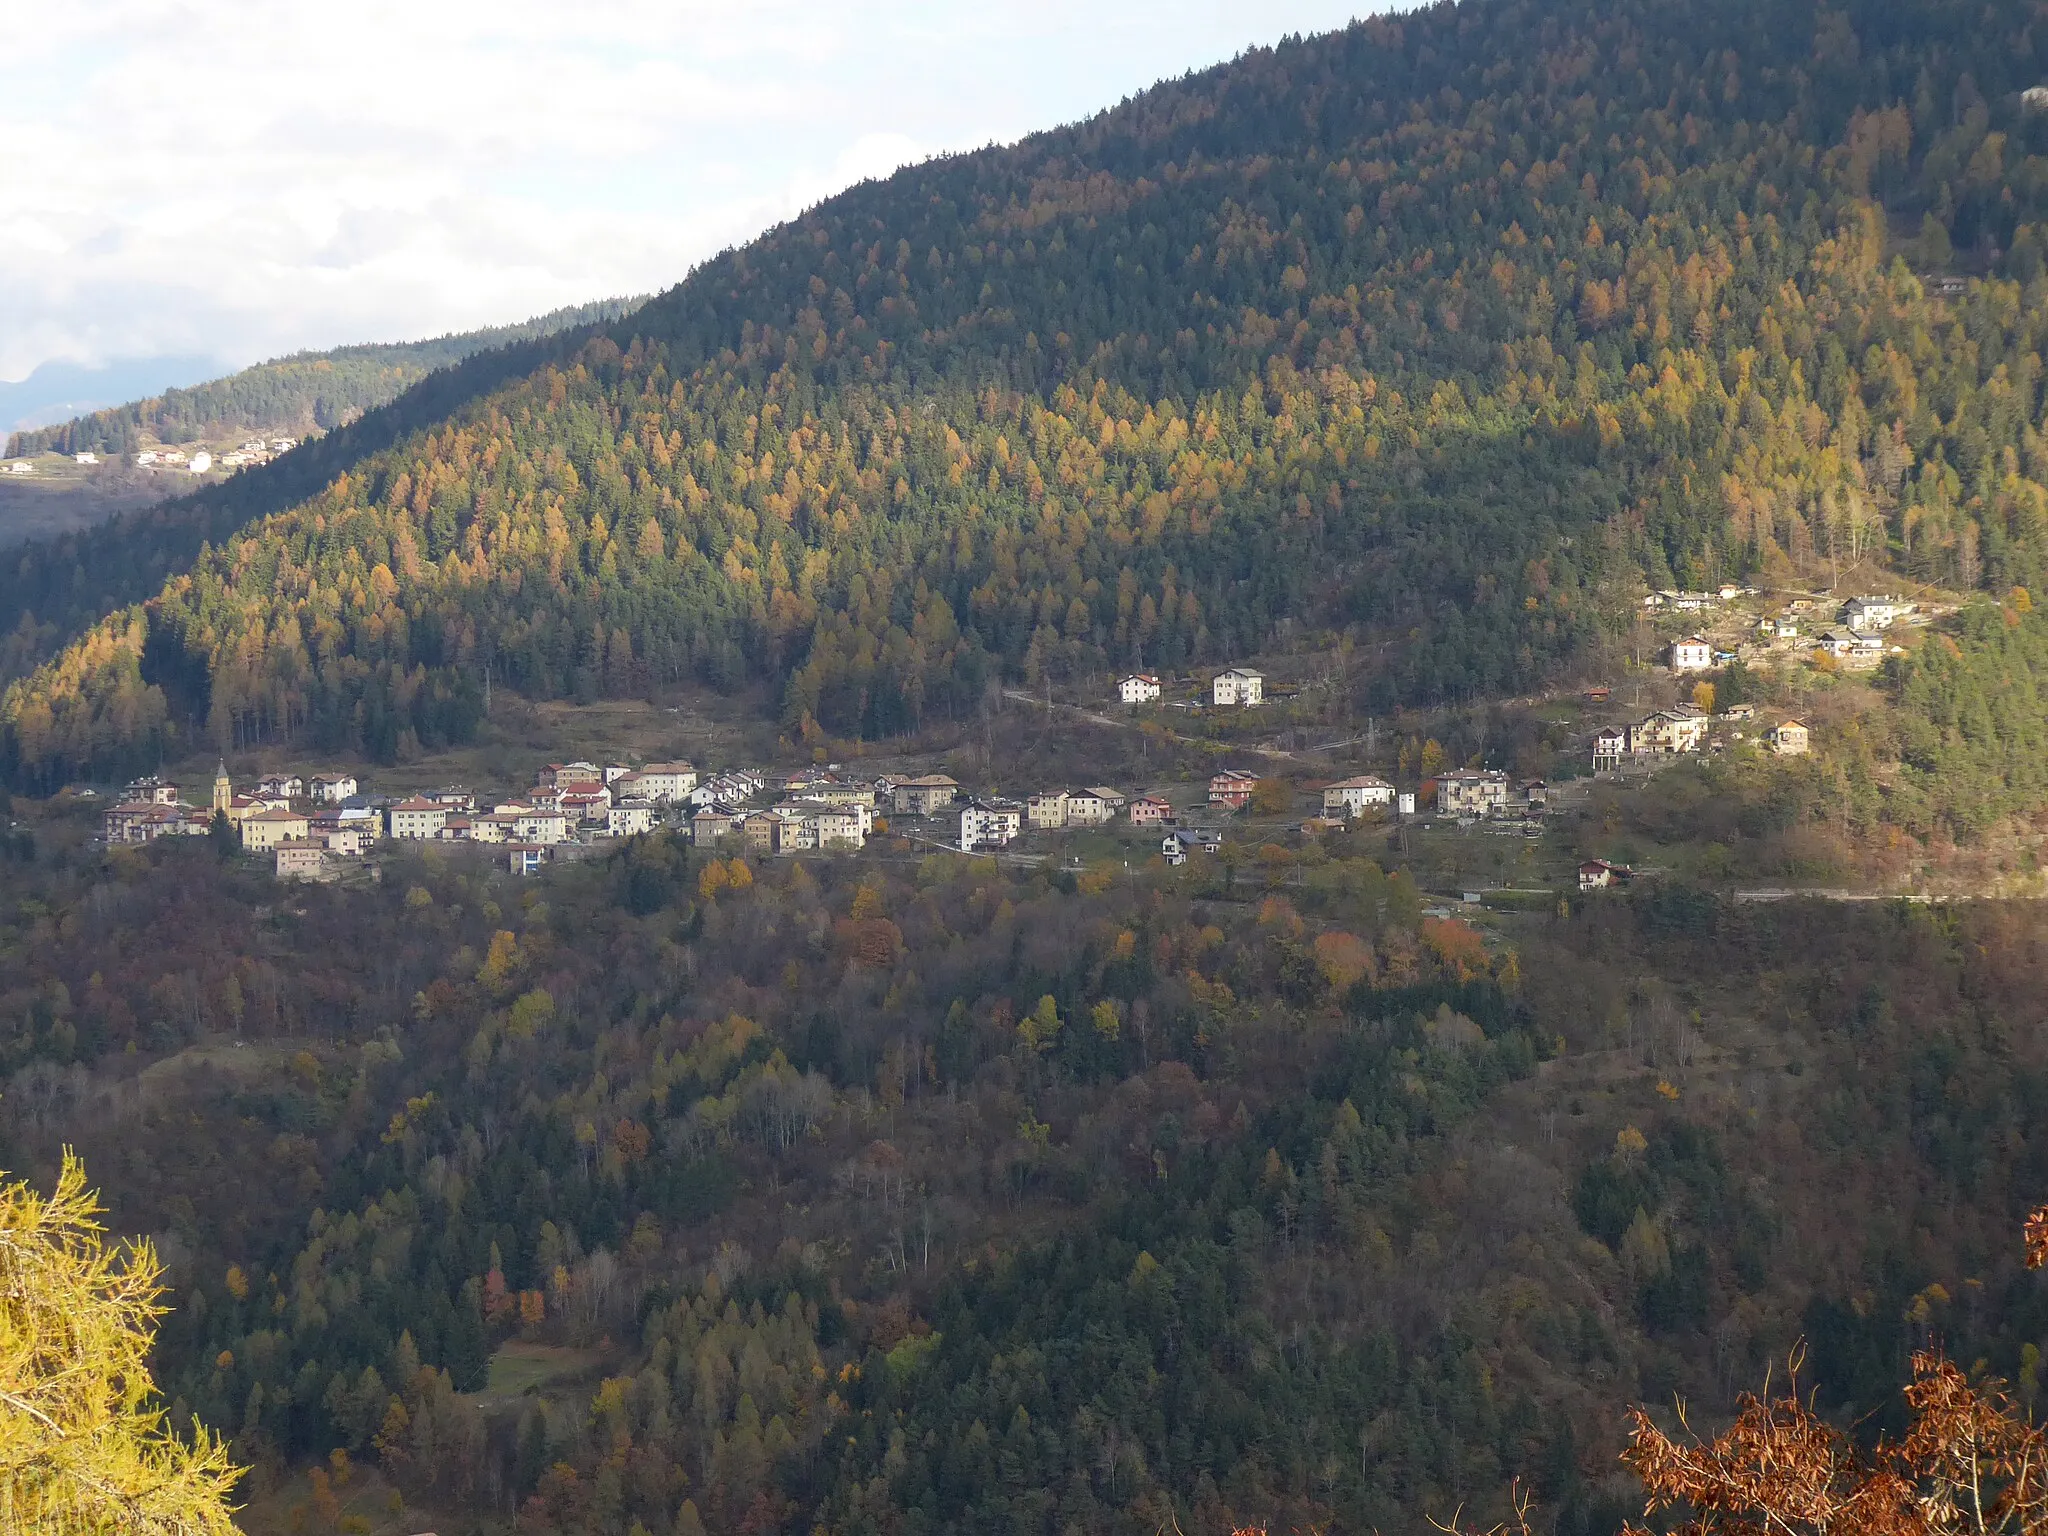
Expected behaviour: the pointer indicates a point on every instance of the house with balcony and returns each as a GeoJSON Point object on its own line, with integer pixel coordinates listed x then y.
{"type": "Point", "coordinates": [1240, 686]}
{"type": "Point", "coordinates": [1233, 788]}
{"type": "Point", "coordinates": [927, 795]}
{"type": "Point", "coordinates": [1472, 792]}
{"type": "Point", "coordinates": [1691, 654]}
{"type": "Point", "coordinates": [989, 824]}
{"type": "Point", "coordinates": [1678, 729]}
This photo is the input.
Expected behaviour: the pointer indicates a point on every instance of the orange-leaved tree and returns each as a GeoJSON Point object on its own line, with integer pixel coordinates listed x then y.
{"type": "Point", "coordinates": [1971, 1461]}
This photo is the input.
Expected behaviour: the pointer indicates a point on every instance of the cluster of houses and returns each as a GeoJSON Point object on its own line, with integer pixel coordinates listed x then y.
{"type": "Point", "coordinates": [308, 825]}
{"type": "Point", "coordinates": [1675, 601]}
{"type": "Point", "coordinates": [311, 827]}
{"type": "Point", "coordinates": [257, 450]}
{"type": "Point", "coordinates": [1856, 640]}
{"type": "Point", "coordinates": [1682, 728]}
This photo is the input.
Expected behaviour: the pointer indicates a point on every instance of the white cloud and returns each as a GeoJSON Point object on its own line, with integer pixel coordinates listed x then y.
{"type": "Point", "coordinates": [245, 178]}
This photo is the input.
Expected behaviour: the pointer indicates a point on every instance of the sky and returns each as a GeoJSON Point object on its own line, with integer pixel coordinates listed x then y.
{"type": "Point", "coordinates": [237, 179]}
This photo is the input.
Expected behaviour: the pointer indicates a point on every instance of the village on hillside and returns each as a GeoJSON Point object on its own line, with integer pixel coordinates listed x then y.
{"type": "Point", "coordinates": [317, 827]}
{"type": "Point", "coordinates": [192, 459]}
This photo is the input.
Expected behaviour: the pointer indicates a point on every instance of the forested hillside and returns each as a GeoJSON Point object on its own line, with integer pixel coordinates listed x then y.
{"type": "Point", "coordinates": [1451, 328]}
{"type": "Point", "coordinates": [304, 392]}
{"type": "Point", "coordinates": [929, 1197]}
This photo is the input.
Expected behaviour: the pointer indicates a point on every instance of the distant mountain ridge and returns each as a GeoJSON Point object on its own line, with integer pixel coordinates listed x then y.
{"type": "Point", "coordinates": [57, 391]}
{"type": "Point", "coordinates": [299, 393]}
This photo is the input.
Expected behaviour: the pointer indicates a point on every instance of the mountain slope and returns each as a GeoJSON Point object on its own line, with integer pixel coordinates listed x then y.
{"type": "Point", "coordinates": [1451, 329]}
{"type": "Point", "coordinates": [942, 1196]}
{"type": "Point", "coordinates": [304, 392]}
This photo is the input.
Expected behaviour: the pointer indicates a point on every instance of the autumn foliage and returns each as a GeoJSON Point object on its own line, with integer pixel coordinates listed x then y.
{"type": "Point", "coordinates": [1971, 1461]}
{"type": "Point", "coordinates": [85, 1447]}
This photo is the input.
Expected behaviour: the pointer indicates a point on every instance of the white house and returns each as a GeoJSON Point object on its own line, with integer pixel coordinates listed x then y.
{"type": "Point", "coordinates": [86, 458]}
{"type": "Point", "coordinates": [665, 783]}
{"type": "Point", "coordinates": [1352, 797]}
{"type": "Point", "coordinates": [538, 826]}
{"type": "Point", "coordinates": [147, 456]}
{"type": "Point", "coordinates": [417, 818]}
{"type": "Point", "coordinates": [21, 467]}
{"type": "Point", "coordinates": [202, 461]}
{"type": "Point", "coordinates": [1852, 646]}
{"type": "Point", "coordinates": [1139, 688]}
{"type": "Point", "coordinates": [724, 789]}
{"type": "Point", "coordinates": [989, 824]}
{"type": "Point", "coordinates": [331, 788]}
{"type": "Point", "coordinates": [1240, 685]}
{"type": "Point", "coordinates": [348, 839]}
{"type": "Point", "coordinates": [1609, 748]}
{"type": "Point", "coordinates": [280, 786]}
{"type": "Point", "coordinates": [1868, 614]}
{"type": "Point", "coordinates": [1691, 654]}
{"type": "Point", "coordinates": [629, 818]}
{"type": "Point", "coordinates": [1598, 874]}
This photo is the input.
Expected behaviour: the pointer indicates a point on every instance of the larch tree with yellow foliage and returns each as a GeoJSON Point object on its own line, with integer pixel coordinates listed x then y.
{"type": "Point", "coordinates": [84, 1448]}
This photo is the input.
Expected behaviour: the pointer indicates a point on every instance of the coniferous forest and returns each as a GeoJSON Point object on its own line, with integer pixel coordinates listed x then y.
{"type": "Point", "coordinates": [1452, 329]}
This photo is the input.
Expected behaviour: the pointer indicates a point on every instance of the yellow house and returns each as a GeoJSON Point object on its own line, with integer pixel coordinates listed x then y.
{"type": "Point", "coordinates": [264, 830]}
